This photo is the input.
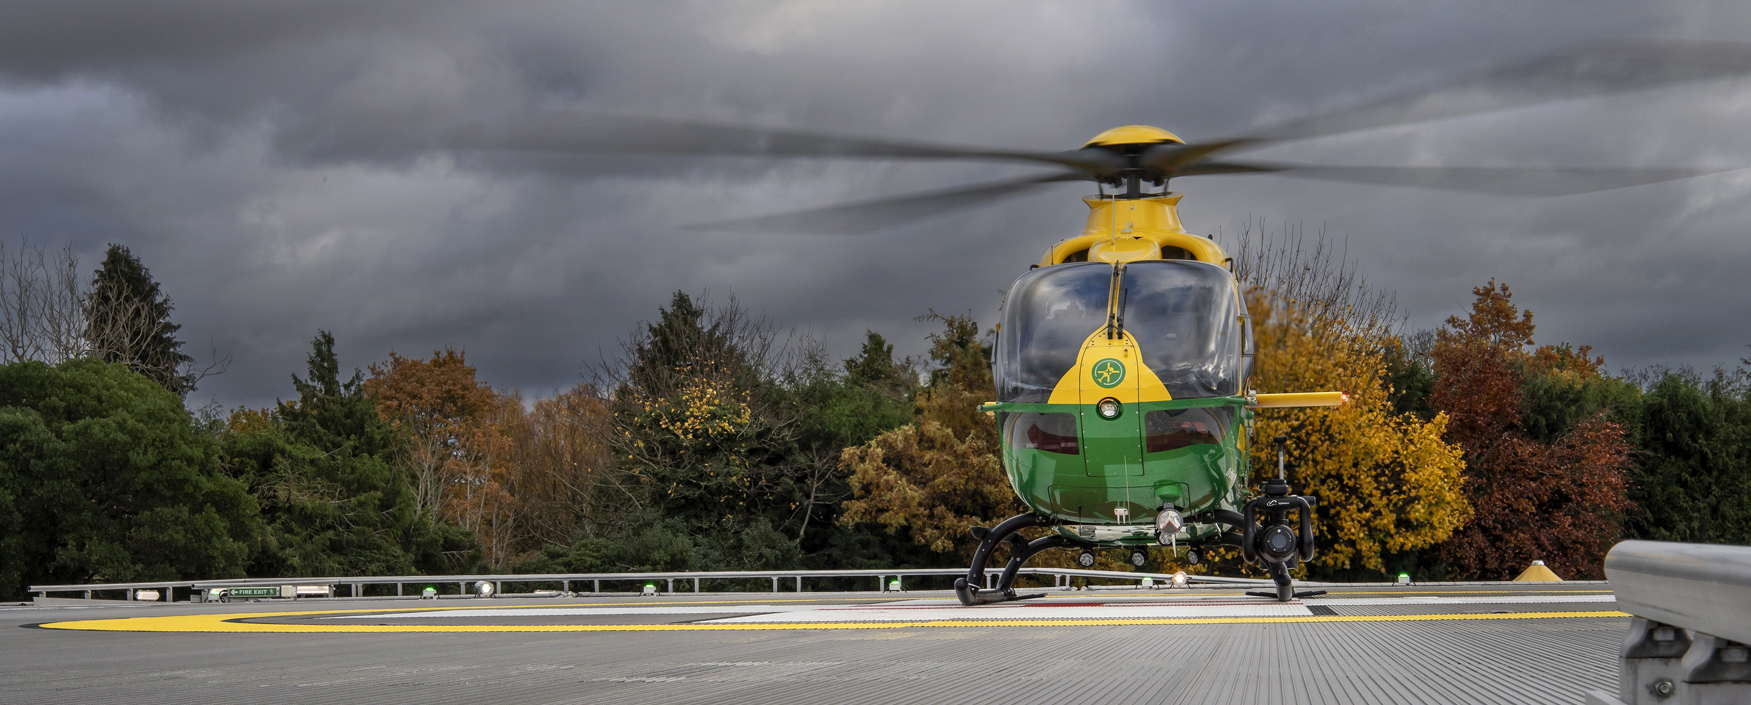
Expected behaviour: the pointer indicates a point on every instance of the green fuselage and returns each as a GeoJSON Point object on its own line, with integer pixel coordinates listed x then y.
{"type": "Point", "coordinates": [1166, 347]}
{"type": "Point", "coordinates": [1115, 466]}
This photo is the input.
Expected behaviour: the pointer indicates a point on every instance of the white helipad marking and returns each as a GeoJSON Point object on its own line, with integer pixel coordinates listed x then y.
{"type": "Point", "coordinates": [1029, 611]}
{"type": "Point", "coordinates": [581, 611]}
{"type": "Point", "coordinates": [1505, 600]}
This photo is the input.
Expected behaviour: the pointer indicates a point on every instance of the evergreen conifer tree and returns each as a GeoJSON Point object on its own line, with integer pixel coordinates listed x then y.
{"type": "Point", "coordinates": [333, 497]}
{"type": "Point", "coordinates": [128, 321]}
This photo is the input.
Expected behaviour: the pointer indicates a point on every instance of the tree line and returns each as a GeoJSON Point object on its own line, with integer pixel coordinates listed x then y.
{"type": "Point", "coordinates": [716, 440]}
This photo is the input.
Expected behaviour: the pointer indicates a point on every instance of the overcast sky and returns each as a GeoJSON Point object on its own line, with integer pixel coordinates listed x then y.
{"type": "Point", "coordinates": [254, 156]}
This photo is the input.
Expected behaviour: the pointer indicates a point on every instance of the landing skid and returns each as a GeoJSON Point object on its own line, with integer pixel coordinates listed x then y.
{"type": "Point", "coordinates": [1020, 550]}
{"type": "Point", "coordinates": [1294, 595]}
{"type": "Point", "coordinates": [1285, 585]}
{"type": "Point", "coordinates": [1275, 542]}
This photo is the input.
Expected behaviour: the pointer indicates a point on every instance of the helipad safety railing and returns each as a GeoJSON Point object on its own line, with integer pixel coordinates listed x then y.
{"type": "Point", "coordinates": [1692, 607]}
{"type": "Point", "coordinates": [355, 585]}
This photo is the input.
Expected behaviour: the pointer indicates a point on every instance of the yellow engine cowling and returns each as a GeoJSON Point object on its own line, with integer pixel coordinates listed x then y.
{"type": "Point", "coordinates": [1128, 230]}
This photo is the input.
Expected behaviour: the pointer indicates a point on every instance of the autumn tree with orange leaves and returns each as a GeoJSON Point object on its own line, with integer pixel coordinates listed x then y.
{"type": "Point", "coordinates": [1560, 498]}
{"type": "Point", "coordinates": [557, 455]}
{"type": "Point", "coordinates": [457, 442]}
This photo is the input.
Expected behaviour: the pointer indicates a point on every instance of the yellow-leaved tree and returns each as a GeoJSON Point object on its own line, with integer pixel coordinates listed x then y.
{"type": "Point", "coordinates": [1388, 483]}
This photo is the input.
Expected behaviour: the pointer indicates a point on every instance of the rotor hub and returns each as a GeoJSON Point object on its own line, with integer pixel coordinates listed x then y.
{"type": "Point", "coordinates": [1132, 135]}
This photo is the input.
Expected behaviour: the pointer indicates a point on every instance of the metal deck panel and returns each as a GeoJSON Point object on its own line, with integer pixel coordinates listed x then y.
{"type": "Point", "coordinates": [1544, 660]}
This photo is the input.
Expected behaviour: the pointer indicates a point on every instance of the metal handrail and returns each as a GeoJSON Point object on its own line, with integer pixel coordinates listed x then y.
{"type": "Point", "coordinates": [1688, 640]}
{"type": "Point", "coordinates": [1061, 575]}
{"type": "Point", "coordinates": [1704, 587]}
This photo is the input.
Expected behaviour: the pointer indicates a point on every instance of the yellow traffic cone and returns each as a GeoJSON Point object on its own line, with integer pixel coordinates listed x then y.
{"type": "Point", "coordinates": [1537, 573]}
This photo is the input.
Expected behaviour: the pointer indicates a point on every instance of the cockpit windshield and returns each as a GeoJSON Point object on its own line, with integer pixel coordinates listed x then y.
{"type": "Point", "coordinates": [1048, 315]}
{"type": "Point", "coordinates": [1185, 318]}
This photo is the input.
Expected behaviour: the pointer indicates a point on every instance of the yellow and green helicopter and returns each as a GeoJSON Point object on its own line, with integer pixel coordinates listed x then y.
{"type": "Point", "coordinates": [1123, 364]}
{"type": "Point", "coordinates": [1123, 370]}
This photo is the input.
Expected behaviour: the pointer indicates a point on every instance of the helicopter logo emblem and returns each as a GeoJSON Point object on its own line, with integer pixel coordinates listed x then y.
{"type": "Point", "coordinates": [1108, 373]}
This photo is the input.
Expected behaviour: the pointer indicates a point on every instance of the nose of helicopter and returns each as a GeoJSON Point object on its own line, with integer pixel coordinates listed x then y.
{"type": "Point", "coordinates": [1110, 375]}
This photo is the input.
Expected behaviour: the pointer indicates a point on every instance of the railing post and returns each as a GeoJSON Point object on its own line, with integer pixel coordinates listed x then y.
{"type": "Point", "coordinates": [596, 586]}
{"type": "Point", "coordinates": [696, 586]}
{"type": "Point", "coordinates": [671, 586]}
{"type": "Point", "coordinates": [775, 584]}
{"type": "Point", "coordinates": [799, 583]}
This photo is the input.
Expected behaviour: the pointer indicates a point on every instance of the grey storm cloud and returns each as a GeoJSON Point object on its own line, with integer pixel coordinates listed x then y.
{"type": "Point", "coordinates": [273, 163]}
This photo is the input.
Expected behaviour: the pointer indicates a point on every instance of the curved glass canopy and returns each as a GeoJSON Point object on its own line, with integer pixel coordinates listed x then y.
{"type": "Point", "coordinates": [1185, 316]}
{"type": "Point", "coordinates": [1048, 315]}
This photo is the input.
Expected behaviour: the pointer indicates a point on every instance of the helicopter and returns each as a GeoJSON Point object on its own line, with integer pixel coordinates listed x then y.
{"type": "Point", "coordinates": [1123, 362]}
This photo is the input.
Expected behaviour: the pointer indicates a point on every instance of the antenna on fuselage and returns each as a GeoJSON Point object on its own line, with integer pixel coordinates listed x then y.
{"type": "Point", "coordinates": [1112, 311]}
{"type": "Point", "coordinates": [1282, 456]}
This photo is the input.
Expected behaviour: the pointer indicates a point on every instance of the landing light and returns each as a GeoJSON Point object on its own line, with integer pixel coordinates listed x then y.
{"type": "Point", "coordinates": [1167, 526]}
{"type": "Point", "coordinates": [1109, 408]}
{"type": "Point", "coordinates": [1169, 521]}
{"type": "Point", "coordinates": [1179, 579]}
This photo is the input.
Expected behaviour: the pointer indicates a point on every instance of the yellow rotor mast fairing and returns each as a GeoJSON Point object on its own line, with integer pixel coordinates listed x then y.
{"type": "Point", "coordinates": [1133, 225]}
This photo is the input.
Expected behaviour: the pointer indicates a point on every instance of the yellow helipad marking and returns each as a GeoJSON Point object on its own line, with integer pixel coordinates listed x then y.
{"type": "Point", "coordinates": [231, 623]}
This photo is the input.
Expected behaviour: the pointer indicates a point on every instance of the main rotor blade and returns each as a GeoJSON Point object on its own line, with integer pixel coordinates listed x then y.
{"type": "Point", "coordinates": [1512, 181]}
{"type": "Point", "coordinates": [1599, 69]}
{"type": "Point", "coordinates": [866, 216]}
{"type": "Point", "coordinates": [621, 134]}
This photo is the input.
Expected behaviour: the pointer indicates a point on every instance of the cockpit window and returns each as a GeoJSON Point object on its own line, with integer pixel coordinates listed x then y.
{"type": "Point", "coordinates": [1055, 433]}
{"type": "Point", "coordinates": [1185, 318]}
{"type": "Point", "coordinates": [1048, 315]}
{"type": "Point", "coordinates": [1173, 429]}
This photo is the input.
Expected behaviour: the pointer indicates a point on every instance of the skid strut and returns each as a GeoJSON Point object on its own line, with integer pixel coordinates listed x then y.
{"type": "Point", "coordinates": [1269, 537]}
{"type": "Point", "coordinates": [1020, 550]}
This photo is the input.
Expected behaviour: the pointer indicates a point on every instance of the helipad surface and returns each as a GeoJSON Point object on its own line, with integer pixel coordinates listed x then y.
{"type": "Point", "coordinates": [1541, 643]}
